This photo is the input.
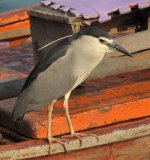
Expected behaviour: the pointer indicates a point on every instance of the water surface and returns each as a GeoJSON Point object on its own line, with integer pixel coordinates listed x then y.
{"type": "Point", "coordinates": [7, 5]}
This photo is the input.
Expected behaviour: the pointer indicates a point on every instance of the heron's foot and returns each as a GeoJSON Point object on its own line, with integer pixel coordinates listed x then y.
{"type": "Point", "coordinates": [80, 135]}
{"type": "Point", "coordinates": [93, 135]}
{"type": "Point", "coordinates": [60, 141]}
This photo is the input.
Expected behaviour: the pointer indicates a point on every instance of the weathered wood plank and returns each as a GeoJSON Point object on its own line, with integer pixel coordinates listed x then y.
{"type": "Point", "coordinates": [53, 15]}
{"type": "Point", "coordinates": [14, 26]}
{"type": "Point", "coordinates": [18, 41]}
{"type": "Point", "coordinates": [13, 16]}
{"type": "Point", "coordinates": [137, 149]}
{"type": "Point", "coordinates": [115, 64]}
{"type": "Point", "coordinates": [15, 33]}
{"type": "Point", "coordinates": [135, 41]}
{"type": "Point", "coordinates": [107, 135]}
{"type": "Point", "coordinates": [98, 103]}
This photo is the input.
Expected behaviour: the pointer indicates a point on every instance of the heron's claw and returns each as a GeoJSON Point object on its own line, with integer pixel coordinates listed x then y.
{"type": "Point", "coordinates": [80, 135]}
{"type": "Point", "coordinates": [60, 141]}
{"type": "Point", "coordinates": [93, 135]}
{"type": "Point", "coordinates": [74, 135]}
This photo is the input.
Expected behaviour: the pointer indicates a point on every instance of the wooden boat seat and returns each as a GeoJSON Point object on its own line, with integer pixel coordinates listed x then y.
{"type": "Point", "coordinates": [99, 102]}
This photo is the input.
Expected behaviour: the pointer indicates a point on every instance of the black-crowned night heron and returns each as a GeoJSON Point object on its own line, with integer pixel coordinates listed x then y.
{"type": "Point", "coordinates": [66, 66]}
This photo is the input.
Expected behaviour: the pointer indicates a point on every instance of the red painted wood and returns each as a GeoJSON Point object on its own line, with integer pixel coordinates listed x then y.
{"type": "Point", "coordinates": [123, 150]}
{"type": "Point", "coordinates": [98, 103]}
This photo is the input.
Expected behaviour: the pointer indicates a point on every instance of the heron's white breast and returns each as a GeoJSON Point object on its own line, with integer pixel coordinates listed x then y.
{"type": "Point", "coordinates": [85, 56]}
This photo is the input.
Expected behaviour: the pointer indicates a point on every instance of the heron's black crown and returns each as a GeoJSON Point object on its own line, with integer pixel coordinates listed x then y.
{"type": "Point", "coordinates": [92, 31]}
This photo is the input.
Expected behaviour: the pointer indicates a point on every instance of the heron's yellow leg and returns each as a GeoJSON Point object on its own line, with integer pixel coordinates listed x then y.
{"type": "Point", "coordinates": [50, 110]}
{"type": "Point", "coordinates": [67, 113]}
{"type": "Point", "coordinates": [73, 133]}
{"type": "Point", "coordinates": [49, 135]}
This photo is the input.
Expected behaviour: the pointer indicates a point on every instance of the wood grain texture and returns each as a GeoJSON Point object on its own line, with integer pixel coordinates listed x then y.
{"type": "Point", "coordinates": [116, 142]}
{"type": "Point", "coordinates": [115, 64]}
{"type": "Point", "coordinates": [137, 149]}
{"type": "Point", "coordinates": [14, 33]}
{"type": "Point", "coordinates": [49, 14]}
{"type": "Point", "coordinates": [13, 16]}
{"type": "Point", "coordinates": [98, 103]}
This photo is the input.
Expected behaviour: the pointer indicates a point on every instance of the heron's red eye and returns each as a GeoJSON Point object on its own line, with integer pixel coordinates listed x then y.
{"type": "Point", "coordinates": [101, 40]}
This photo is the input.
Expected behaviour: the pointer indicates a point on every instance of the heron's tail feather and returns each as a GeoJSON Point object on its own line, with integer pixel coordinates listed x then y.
{"type": "Point", "coordinates": [19, 109]}
{"type": "Point", "coordinates": [23, 105]}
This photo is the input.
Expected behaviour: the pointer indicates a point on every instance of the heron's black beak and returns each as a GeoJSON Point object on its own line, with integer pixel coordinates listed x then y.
{"type": "Point", "coordinates": [118, 48]}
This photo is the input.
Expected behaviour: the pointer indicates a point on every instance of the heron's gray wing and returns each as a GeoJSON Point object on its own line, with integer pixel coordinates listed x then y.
{"type": "Point", "coordinates": [58, 51]}
{"type": "Point", "coordinates": [51, 84]}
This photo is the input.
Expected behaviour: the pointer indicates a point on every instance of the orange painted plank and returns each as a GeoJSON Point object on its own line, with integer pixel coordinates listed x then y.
{"type": "Point", "coordinates": [5, 76]}
{"type": "Point", "coordinates": [126, 107]}
{"type": "Point", "coordinates": [14, 16]}
{"type": "Point", "coordinates": [39, 148]}
{"type": "Point", "coordinates": [18, 41]}
{"type": "Point", "coordinates": [98, 103]}
{"type": "Point", "coordinates": [17, 25]}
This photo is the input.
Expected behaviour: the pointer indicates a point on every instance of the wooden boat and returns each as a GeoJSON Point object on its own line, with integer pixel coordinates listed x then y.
{"type": "Point", "coordinates": [14, 22]}
{"type": "Point", "coordinates": [121, 119]}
